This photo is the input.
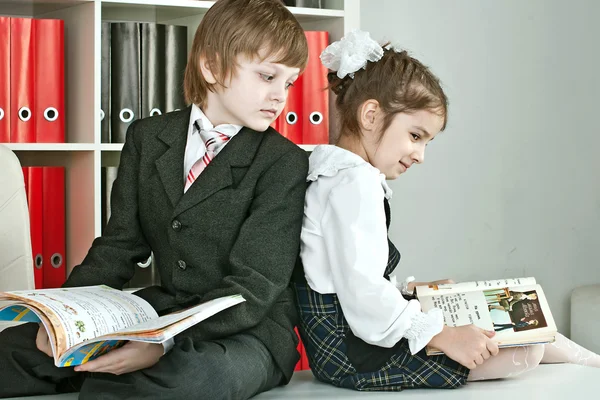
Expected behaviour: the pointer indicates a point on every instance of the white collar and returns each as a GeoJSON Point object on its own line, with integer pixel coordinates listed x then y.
{"type": "Point", "coordinates": [228, 129]}
{"type": "Point", "coordinates": [327, 160]}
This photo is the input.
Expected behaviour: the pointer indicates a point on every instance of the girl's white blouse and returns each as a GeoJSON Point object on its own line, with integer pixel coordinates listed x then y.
{"type": "Point", "coordinates": [344, 250]}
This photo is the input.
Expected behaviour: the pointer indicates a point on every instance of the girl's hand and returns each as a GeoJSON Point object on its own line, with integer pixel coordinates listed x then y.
{"type": "Point", "coordinates": [468, 345]}
{"type": "Point", "coordinates": [412, 285]}
{"type": "Point", "coordinates": [42, 341]}
{"type": "Point", "coordinates": [131, 357]}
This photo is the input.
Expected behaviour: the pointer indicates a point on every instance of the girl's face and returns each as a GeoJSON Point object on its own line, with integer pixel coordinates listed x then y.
{"type": "Point", "coordinates": [403, 143]}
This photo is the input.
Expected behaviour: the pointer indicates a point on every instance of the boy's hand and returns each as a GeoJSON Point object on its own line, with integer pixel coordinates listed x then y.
{"type": "Point", "coordinates": [412, 285]}
{"type": "Point", "coordinates": [133, 356]}
{"type": "Point", "coordinates": [468, 345]}
{"type": "Point", "coordinates": [42, 341]}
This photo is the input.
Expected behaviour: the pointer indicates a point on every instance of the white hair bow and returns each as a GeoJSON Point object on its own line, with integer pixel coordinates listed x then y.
{"type": "Point", "coordinates": [351, 53]}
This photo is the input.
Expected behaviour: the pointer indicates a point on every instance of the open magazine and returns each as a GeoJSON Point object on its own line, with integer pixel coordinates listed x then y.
{"type": "Point", "coordinates": [85, 322]}
{"type": "Point", "coordinates": [516, 309]}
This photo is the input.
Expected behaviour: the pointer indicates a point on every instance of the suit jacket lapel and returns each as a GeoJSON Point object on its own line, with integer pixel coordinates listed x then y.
{"type": "Point", "coordinates": [239, 152]}
{"type": "Point", "coordinates": [170, 163]}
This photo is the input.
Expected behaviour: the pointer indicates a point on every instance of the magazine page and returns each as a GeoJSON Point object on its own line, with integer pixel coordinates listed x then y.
{"type": "Point", "coordinates": [432, 290]}
{"type": "Point", "coordinates": [516, 313]}
{"type": "Point", "coordinates": [200, 312]}
{"type": "Point", "coordinates": [28, 313]}
{"type": "Point", "coordinates": [85, 313]}
{"type": "Point", "coordinates": [153, 331]}
{"type": "Point", "coordinates": [34, 312]}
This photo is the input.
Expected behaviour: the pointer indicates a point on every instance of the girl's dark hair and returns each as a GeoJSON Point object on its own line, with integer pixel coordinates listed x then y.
{"type": "Point", "coordinates": [400, 83]}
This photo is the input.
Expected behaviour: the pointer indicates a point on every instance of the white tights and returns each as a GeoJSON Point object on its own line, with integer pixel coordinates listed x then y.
{"type": "Point", "coordinates": [516, 360]}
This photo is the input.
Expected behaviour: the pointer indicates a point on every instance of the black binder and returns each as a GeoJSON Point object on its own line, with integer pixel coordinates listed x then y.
{"type": "Point", "coordinates": [153, 69]}
{"type": "Point", "coordinates": [175, 61]}
{"type": "Point", "coordinates": [125, 78]}
{"type": "Point", "coordinates": [105, 83]}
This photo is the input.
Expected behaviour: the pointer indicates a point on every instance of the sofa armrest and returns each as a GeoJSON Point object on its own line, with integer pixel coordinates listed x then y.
{"type": "Point", "coordinates": [585, 320]}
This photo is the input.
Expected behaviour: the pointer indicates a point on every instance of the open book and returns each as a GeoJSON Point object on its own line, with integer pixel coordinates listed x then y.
{"type": "Point", "coordinates": [515, 308]}
{"type": "Point", "coordinates": [86, 322]}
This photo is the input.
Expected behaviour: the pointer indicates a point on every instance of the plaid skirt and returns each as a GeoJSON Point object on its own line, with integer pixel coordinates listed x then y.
{"type": "Point", "coordinates": [324, 329]}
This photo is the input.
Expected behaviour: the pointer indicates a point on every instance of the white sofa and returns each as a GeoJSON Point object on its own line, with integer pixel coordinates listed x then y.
{"type": "Point", "coordinates": [545, 382]}
{"type": "Point", "coordinates": [585, 316]}
{"type": "Point", "coordinates": [548, 382]}
{"type": "Point", "coordinates": [16, 266]}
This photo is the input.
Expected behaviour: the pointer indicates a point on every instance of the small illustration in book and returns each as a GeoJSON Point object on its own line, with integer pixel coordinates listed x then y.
{"type": "Point", "coordinates": [516, 311]}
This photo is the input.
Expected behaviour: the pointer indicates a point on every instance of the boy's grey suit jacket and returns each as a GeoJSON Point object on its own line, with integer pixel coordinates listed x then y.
{"type": "Point", "coordinates": [236, 230]}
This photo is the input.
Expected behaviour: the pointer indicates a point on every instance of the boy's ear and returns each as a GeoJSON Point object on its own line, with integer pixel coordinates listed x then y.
{"type": "Point", "coordinates": [206, 71]}
{"type": "Point", "coordinates": [368, 113]}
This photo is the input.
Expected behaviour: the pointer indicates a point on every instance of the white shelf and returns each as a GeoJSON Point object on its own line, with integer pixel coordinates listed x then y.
{"type": "Point", "coordinates": [164, 10]}
{"type": "Point", "coordinates": [84, 156]}
{"type": "Point", "coordinates": [35, 8]}
{"type": "Point", "coordinates": [50, 146]}
{"type": "Point", "coordinates": [111, 146]}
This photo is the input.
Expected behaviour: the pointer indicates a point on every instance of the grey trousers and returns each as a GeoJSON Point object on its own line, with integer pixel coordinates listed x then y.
{"type": "Point", "coordinates": [237, 368]}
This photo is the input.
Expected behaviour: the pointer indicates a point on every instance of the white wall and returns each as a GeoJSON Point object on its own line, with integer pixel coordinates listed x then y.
{"type": "Point", "coordinates": [512, 187]}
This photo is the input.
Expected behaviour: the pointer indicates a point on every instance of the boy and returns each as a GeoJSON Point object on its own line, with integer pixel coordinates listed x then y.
{"type": "Point", "coordinates": [218, 197]}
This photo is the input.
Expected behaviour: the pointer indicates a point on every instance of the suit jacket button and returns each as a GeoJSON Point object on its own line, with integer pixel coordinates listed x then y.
{"type": "Point", "coordinates": [181, 264]}
{"type": "Point", "coordinates": [176, 225]}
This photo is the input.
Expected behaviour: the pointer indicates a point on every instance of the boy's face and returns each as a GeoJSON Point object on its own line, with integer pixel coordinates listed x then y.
{"type": "Point", "coordinates": [254, 95]}
{"type": "Point", "coordinates": [403, 143]}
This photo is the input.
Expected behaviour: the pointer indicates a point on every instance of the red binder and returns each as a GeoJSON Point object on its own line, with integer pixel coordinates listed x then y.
{"type": "Point", "coordinates": [300, 349]}
{"type": "Point", "coordinates": [291, 119]}
{"type": "Point", "coordinates": [33, 185]}
{"type": "Point", "coordinates": [53, 223]}
{"type": "Point", "coordinates": [49, 84]}
{"type": "Point", "coordinates": [315, 102]}
{"type": "Point", "coordinates": [21, 80]}
{"type": "Point", "coordinates": [4, 79]}
{"type": "Point", "coordinates": [304, 359]}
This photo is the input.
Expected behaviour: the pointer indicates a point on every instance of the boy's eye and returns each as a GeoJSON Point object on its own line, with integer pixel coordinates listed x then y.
{"type": "Point", "coordinates": [267, 77]}
{"type": "Point", "coordinates": [415, 136]}
{"type": "Point", "coordinates": [289, 85]}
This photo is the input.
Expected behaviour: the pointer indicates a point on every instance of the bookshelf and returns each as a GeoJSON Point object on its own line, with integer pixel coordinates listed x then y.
{"type": "Point", "coordinates": [83, 155]}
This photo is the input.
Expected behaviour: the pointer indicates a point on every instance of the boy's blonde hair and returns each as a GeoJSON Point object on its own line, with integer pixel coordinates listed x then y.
{"type": "Point", "coordinates": [242, 27]}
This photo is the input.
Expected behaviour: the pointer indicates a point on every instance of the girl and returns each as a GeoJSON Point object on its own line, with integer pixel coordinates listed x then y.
{"type": "Point", "coordinates": [360, 329]}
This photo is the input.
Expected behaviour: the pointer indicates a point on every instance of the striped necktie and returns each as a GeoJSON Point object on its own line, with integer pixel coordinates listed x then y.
{"type": "Point", "coordinates": [214, 140]}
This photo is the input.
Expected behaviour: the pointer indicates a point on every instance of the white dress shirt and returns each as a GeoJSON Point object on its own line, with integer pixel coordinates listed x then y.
{"type": "Point", "coordinates": [344, 250]}
{"type": "Point", "coordinates": [194, 150]}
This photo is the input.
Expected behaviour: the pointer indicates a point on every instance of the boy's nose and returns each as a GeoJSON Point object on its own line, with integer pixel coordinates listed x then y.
{"type": "Point", "coordinates": [279, 93]}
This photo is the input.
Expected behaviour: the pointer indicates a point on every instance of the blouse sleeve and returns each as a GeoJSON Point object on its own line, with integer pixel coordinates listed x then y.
{"type": "Point", "coordinates": [355, 237]}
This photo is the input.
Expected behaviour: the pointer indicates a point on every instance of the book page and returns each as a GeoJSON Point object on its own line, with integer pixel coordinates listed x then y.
{"type": "Point", "coordinates": [153, 331]}
{"type": "Point", "coordinates": [85, 313]}
{"type": "Point", "coordinates": [517, 313]}
{"type": "Point", "coordinates": [28, 313]}
{"type": "Point", "coordinates": [431, 290]}
{"type": "Point", "coordinates": [187, 317]}
{"type": "Point", "coordinates": [34, 312]}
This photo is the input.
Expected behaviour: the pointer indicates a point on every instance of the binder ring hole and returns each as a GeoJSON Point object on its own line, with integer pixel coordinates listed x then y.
{"type": "Point", "coordinates": [39, 260]}
{"type": "Point", "coordinates": [24, 114]}
{"type": "Point", "coordinates": [315, 118]}
{"type": "Point", "coordinates": [1, 114]}
{"type": "Point", "coordinates": [101, 115]}
{"type": "Point", "coordinates": [51, 114]}
{"type": "Point", "coordinates": [126, 115]}
{"type": "Point", "coordinates": [56, 260]}
{"type": "Point", "coordinates": [291, 118]}
{"type": "Point", "coordinates": [155, 111]}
